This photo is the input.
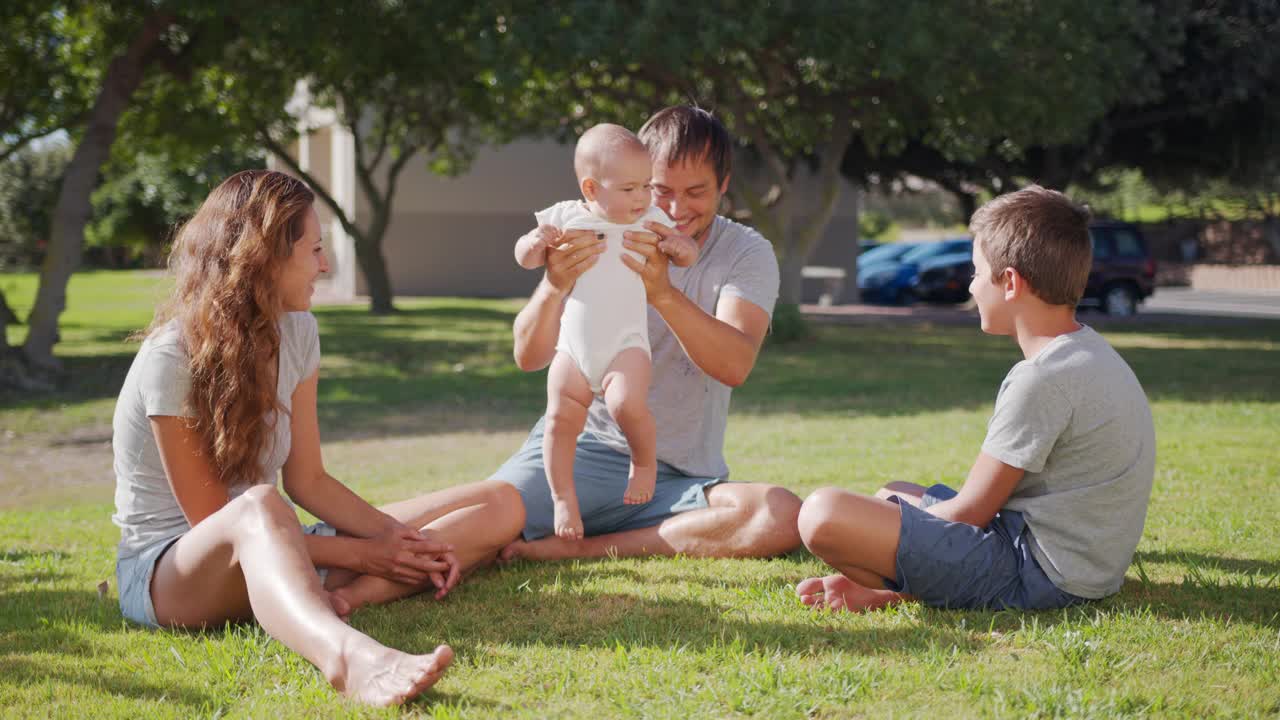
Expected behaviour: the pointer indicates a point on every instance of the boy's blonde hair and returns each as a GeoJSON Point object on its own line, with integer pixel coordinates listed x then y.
{"type": "Point", "coordinates": [1043, 235]}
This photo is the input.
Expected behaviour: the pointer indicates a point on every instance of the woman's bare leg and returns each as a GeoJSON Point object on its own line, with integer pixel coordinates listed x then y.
{"type": "Point", "coordinates": [249, 558]}
{"type": "Point", "coordinates": [477, 519]}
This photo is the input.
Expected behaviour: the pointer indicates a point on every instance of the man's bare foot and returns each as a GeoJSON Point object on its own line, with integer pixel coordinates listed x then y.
{"type": "Point", "coordinates": [567, 523]}
{"type": "Point", "coordinates": [340, 606]}
{"type": "Point", "coordinates": [837, 592]}
{"type": "Point", "coordinates": [547, 548]}
{"type": "Point", "coordinates": [640, 484]}
{"type": "Point", "coordinates": [374, 674]}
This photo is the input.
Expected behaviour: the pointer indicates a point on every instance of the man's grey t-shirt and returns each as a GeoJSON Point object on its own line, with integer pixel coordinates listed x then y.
{"type": "Point", "coordinates": [158, 384]}
{"type": "Point", "coordinates": [1076, 419]}
{"type": "Point", "coordinates": [690, 408]}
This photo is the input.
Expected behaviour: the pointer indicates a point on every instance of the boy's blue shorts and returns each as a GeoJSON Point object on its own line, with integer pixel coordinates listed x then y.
{"type": "Point", "coordinates": [599, 477]}
{"type": "Point", "coordinates": [955, 565]}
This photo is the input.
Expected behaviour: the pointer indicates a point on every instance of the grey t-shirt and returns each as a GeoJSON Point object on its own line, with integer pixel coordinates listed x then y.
{"type": "Point", "coordinates": [691, 408]}
{"type": "Point", "coordinates": [1075, 418]}
{"type": "Point", "coordinates": [158, 383]}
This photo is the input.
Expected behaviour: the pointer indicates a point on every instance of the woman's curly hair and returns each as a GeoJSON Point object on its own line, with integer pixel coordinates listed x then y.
{"type": "Point", "coordinates": [226, 261]}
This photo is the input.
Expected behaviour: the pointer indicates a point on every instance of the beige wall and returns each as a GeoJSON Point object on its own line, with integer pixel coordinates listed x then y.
{"type": "Point", "coordinates": [454, 236]}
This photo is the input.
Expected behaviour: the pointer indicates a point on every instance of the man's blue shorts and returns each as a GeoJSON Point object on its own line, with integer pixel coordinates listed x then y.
{"type": "Point", "coordinates": [955, 565]}
{"type": "Point", "coordinates": [600, 478]}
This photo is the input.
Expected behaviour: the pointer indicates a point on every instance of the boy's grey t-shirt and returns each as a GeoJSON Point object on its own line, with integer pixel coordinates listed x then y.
{"type": "Point", "coordinates": [1076, 419]}
{"type": "Point", "coordinates": [158, 383]}
{"type": "Point", "coordinates": [690, 408]}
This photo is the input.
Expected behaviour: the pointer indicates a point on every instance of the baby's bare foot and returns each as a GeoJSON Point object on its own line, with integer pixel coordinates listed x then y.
{"type": "Point", "coordinates": [568, 523]}
{"type": "Point", "coordinates": [640, 485]}
{"type": "Point", "coordinates": [374, 674]}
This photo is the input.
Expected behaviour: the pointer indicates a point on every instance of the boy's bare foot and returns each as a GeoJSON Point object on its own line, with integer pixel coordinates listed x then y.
{"type": "Point", "coordinates": [837, 592]}
{"type": "Point", "coordinates": [640, 484]}
{"type": "Point", "coordinates": [378, 675]}
{"type": "Point", "coordinates": [568, 523]}
{"type": "Point", "coordinates": [547, 548]}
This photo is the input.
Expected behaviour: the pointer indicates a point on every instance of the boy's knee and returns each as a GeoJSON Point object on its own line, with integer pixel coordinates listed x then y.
{"type": "Point", "coordinates": [818, 518]}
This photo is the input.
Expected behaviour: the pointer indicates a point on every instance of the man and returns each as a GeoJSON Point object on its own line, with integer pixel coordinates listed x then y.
{"type": "Point", "coordinates": [706, 325]}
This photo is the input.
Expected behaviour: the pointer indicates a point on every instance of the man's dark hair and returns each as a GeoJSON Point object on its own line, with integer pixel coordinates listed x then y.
{"type": "Point", "coordinates": [682, 133]}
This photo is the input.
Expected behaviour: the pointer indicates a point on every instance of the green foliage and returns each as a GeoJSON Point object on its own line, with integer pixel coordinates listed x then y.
{"type": "Point", "coordinates": [141, 201]}
{"type": "Point", "coordinates": [29, 182]}
{"type": "Point", "coordinates": [873, 225]}
{"type": "Point", "coordinates": [789, 324]}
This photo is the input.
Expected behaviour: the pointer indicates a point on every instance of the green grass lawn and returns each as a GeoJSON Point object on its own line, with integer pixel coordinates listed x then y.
{"type": "Point", "coordinates": [430, 397]}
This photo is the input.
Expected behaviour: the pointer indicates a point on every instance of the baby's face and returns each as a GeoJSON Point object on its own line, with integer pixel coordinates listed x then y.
{"type": "Point", "coordinates": [623, 188]}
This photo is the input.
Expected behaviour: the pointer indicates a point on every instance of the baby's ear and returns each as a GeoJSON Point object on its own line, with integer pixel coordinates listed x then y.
{"type": "Point", "coordinates": [589, 188]}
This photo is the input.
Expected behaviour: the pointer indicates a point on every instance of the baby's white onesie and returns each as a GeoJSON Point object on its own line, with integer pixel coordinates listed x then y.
{"type": "Point", "coordinates": [607, 311]}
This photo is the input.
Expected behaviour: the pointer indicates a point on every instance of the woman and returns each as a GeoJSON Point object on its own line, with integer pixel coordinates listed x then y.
{"type": "Point", "coordinates": [219, 402]}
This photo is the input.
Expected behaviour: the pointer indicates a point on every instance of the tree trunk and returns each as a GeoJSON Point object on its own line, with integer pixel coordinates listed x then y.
{"type": "Point", "coordinates": [374, 267]}
{"type": "Point", "coordinates": [13, 370]}
{"type": "Point", "coordinates": [792, 282]}
{"type": "Point", "coordinates": [71, 213]}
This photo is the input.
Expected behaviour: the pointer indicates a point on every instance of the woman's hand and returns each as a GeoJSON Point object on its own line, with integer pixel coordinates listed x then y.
{"type": "Point", "coordinates": [404, 555]}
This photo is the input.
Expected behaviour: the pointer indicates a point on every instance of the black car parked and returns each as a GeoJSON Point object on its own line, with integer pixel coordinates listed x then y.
{"type": "Point", "coordinates": [1123, 273]}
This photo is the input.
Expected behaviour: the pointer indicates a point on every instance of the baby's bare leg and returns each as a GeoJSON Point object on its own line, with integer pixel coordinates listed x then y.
{"type": "Point", "coordinates": [626, 390]}
{"type": "Point", "coordinates": [568, 397]}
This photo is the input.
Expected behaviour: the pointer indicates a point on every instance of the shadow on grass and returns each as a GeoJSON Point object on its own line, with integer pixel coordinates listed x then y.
{"type": "Point", "coordinates": [1243, 566]}
{"type": "Point", "coordinates": [36, 623]}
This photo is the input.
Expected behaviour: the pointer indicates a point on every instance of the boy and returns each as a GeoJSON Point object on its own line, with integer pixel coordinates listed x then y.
{"type": "Point", "coordinates": [1053, 508]}
{"type": "Point", "coordinates": [603, 347]}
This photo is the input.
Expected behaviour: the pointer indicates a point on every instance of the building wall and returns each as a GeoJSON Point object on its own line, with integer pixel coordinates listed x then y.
{"type": "Point", "coordinates": [455, 236]}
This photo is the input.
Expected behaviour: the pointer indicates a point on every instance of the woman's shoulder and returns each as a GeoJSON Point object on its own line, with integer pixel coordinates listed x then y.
{"type": "Point", "coordinates": [300, 341]}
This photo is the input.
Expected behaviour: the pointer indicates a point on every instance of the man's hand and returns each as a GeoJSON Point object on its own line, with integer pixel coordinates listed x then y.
{"type": "Point", "coordinates": [577, 252]}
{"type": "Point", "coordinates": [653, 271]}
{"type": "Point", "coordinates": [404, 555]}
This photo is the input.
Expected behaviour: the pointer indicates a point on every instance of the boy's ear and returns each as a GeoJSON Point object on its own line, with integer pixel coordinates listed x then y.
{"type": "Point", "coordinates": [589, 188]}
{"type": "Point", "coordinates": [1015, 286]}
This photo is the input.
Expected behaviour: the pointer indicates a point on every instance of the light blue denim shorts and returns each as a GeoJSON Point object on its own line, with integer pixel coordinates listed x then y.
{"type": "Point", "coordinates": [134, 573]}
{"type": "Point", "coordinates": [599, 478]}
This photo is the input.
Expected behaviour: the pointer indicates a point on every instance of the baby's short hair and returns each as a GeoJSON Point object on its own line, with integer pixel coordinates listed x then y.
{"type": "Point", "coordinates": [600, 142]}
{"type": "Point", "coordinates": [1043, 235]}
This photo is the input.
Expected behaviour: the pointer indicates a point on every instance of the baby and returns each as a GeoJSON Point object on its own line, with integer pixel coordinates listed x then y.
{"type": "Point", "coordinates": [603, 346]}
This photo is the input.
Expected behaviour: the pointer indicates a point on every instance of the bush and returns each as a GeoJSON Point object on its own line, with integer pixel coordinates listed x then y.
{"type": "Point", "coordinates": [789, 325]}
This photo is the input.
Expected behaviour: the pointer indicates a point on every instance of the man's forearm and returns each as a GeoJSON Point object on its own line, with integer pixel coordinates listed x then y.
{"type": "Point", "coordinates": [537, 328]}
{"type": "Point", "coordinates": [716, 347]}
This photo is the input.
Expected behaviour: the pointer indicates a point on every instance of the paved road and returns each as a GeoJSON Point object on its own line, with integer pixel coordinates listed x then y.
{"type": "Point", "coordinates": [1178, 305]}
{"type": "Point", "coordinates": [1220, 303]}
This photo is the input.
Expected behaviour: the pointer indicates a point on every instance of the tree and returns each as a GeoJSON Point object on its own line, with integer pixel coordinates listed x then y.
{"type": "Point", "coordinates": [1200, 106]}
{"type": "Point", "coordinates": [410, 82]}
{"type": "Point", "coordinates": [802, 82]}
{"type": "Point", "coordinates": [39, 93]}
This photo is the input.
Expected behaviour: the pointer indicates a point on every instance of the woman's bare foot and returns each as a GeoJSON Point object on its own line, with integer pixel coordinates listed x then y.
{"type": "Point", "coordinates": [374, 674]}
{"type": "Point", "coordinates": [567, 523]}
{"type": "Point", "coordinates": [640, 484]}
{"type": "Point", "coordinates": [837, 592]}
